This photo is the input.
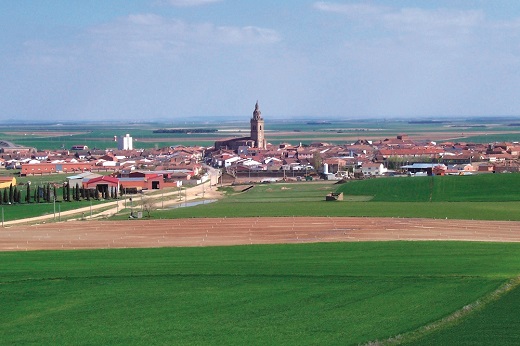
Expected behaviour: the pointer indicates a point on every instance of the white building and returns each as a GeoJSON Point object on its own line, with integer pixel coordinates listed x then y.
{"type": "Point", "coordinates": [125, 143]}
{"type": "Point", "coordinates": [370, 168]}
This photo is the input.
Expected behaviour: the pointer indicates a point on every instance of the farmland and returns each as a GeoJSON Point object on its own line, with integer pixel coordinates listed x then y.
{"type": "Point", "coordinates": [474, 188]}
{"type": "Point", "coordinates": [101, 135]}
{"type": "Point", "coordinates": [331, 293]}
{"type": "Point", "coordinates": [334, 293]}
{"type": "Point", "coordinates": [483, 197]}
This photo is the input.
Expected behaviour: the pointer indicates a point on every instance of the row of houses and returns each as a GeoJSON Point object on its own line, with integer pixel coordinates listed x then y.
{"type": "Point", "coordinates": [371, 158]}
{"type": "Point", "coordinates": [166, 159]}
{"type": "Point", "coordinates": [156, 168]}
{"type": "Point", "coordinates": [130, 182]}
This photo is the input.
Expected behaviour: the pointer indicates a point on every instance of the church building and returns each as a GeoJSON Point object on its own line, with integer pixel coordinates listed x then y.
{"type": "Point", "coordinates": [255, 140]}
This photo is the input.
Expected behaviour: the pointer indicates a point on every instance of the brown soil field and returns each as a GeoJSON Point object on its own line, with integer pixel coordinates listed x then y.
{"type": "Point", "coordinates": [241, 231]}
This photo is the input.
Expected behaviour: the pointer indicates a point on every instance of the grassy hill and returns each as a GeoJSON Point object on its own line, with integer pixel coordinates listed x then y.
{"type": "Point", "coordinates": [337, 293]}
{"type": "Point", "coordinates": [473, 188]}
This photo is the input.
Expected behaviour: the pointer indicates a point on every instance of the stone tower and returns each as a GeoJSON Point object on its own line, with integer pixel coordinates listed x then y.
{"type": "Point", "coordinates": [257, 128]}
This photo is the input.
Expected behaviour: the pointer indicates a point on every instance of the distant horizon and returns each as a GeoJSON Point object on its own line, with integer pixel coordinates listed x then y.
{"type": "Point", "coordinates": [213, 120]}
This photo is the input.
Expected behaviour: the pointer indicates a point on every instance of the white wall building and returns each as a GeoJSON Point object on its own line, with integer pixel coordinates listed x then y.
{"type": "Point", "coordinates": [125, 143]}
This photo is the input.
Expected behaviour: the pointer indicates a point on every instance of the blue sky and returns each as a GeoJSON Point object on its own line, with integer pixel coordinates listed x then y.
{"type": "Point", "coordinates": [182, 59]}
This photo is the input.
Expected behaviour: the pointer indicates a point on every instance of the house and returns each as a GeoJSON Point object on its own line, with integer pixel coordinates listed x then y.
{"type": "Point", "coordinates": [372, 169]}
{"type": "Point", "coordinates": [48, 168]}
{"type": "Point", "coordinates": [5, 182]}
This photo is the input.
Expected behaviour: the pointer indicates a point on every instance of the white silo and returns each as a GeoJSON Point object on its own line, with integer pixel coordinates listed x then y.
{"type": "Point", "coordinates": [325, 168]}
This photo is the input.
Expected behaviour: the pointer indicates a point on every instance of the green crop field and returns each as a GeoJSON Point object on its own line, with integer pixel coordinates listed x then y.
{"type": "Point", "coordinates": [482, 197]}
{"type": "Point", "coordinates": [336, 293]}
{"type": "Point", "coordinates": [472, 188]}
{"type": "Point", "coordinates": [460, 210]}
{"type": "Point", "coordinates": [496, 324]}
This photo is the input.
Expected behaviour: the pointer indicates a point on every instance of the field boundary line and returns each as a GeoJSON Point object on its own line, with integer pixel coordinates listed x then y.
{"type": "Point", "coordinates": [451, 319]}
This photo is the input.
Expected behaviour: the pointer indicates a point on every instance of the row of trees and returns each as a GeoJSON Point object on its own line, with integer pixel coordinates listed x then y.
{"type": "Point", "coordinates": [48, 193]}
{"type": "Point", "coordinates": [78, 193]}
{"type": "Point", "coordinates": [13, 195]}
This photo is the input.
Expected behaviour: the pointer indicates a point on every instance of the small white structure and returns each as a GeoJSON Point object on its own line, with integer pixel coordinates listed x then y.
{"type": "Point", "coordinates": [325, 168]}
{"type": "Point", "coordinates": [125, 143]}
{"type": "Point", "coordinates": [372, 169]}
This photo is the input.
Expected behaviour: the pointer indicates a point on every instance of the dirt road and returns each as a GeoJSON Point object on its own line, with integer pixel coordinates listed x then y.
{"type": "Point", "coordinates": [111, 208]}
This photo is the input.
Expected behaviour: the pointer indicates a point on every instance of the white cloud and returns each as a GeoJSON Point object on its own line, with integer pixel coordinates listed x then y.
{"type": "Point", "coordinates": [190, 3]}
{"type": "Point", "coordinates": [150, 34]}
{"type": "Point", "coordinates": [351, 10]}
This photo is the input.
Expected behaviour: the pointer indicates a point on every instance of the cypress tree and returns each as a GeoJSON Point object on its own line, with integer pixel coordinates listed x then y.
{"type": "Point", "coordinates": [38, 192]}
{"type": "Point", "coordinates": [15, 195]}
{"type": "Point", "coordinates": [11, 194]}
{"type": "Point", "coordinates": [54, 194]}
{"type": "Point", "coordinates": [68, 193]}
{"type": "Point", "coordinates": [19, 196]}
{"type": "Point", "coordinates": [77, 192]}
{"type": "Point", "coordinates": [6, 196]}
{"type": "Point", "coordinates": [48, 192]}
{"type": "Point", "coordinates": [28, 194]}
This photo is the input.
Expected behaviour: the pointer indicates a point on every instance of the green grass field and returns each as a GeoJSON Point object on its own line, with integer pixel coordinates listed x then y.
{"type": "Point", "coordinates": [472, 188]}
{"type": "Point", "coordinates": [337, 293]}
{"type": "Point", "coordinates": [467, 197]}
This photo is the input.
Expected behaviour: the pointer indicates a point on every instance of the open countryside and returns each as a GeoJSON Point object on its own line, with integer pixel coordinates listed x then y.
{"type": "Point", "coordinates": [306, 269]}
{"type": "Point", "coordinates": [220, 172]}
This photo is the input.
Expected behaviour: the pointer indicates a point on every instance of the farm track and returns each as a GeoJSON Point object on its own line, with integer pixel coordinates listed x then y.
{"type": "Point", "coordinates": [240, 231]}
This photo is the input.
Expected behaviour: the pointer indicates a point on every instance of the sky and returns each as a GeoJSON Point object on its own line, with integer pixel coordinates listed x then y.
{"type": "Point", "coordinates": [144, 60]}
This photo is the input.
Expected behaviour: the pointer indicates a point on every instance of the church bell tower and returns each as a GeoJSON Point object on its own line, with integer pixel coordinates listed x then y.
{"type": "Point", "coordinates": [257, 128]}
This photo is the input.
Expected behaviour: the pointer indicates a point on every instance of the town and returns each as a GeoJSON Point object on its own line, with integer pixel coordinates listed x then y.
{"type": "Point", "coordinates": [253, 158]}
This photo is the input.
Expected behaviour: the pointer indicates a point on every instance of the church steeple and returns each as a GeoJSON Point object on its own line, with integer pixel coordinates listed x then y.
{"type": "Point", "coordinates": [257, 128]}
{"type": "Point", "coordinates": [257, 115]}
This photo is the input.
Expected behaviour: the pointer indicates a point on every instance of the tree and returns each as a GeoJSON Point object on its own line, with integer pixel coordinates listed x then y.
{"type": "Point", "coordinates": [38, 192]}
{"type": "Point", "coordinates": [11, 194]}
{"type": "Point", "coordinates": [19, 196]}
{"type": "Point", "coordinates": [28, 194]}
{"type": "Point", "coordinates": [54, 193]}
{"type": "Point", "coordinates": [316, 161]}
{"type": "Point", "coordinates": [148, 206]}
{"type": "Point", "coordinates": [68, 193]}
{"type": "Point", "coordinates": [6, 196]}
{"type": "Point", "coordinates": [15, 195]}
{"type": "Point", "coordinates": [48, 193]}
{"type": "Point", "coordinates": [77, 192]}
